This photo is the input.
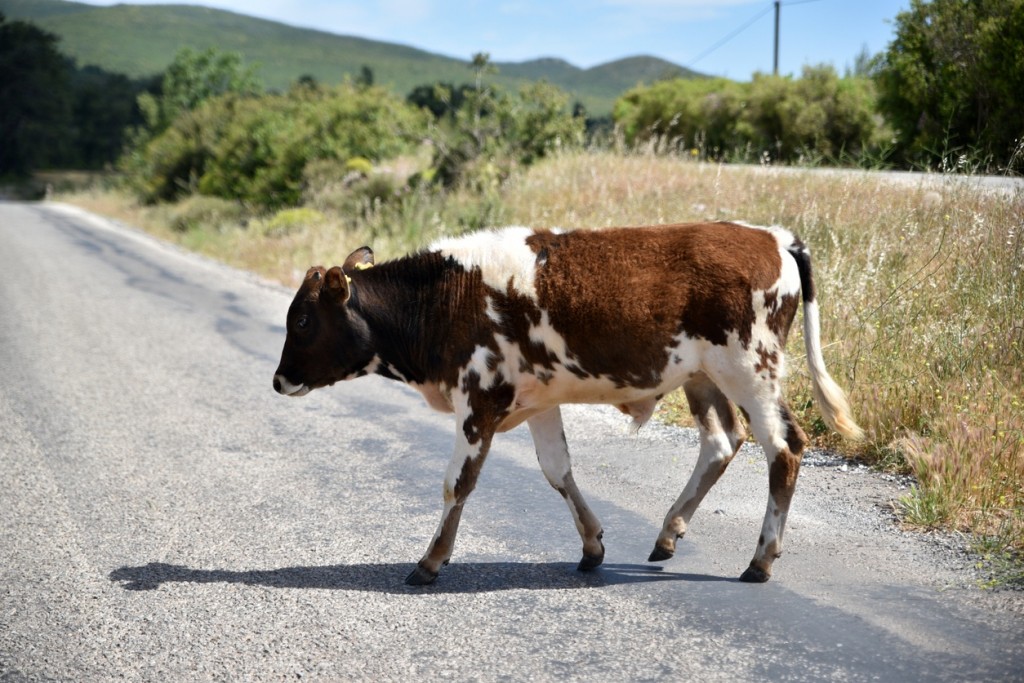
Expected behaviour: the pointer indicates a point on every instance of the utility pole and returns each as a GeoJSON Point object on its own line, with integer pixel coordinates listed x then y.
{"type": "Point", "coordinates": [775, 69]}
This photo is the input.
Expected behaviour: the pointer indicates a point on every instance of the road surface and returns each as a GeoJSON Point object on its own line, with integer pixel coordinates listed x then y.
{"type": "Point", "coordinates": [166, 516]}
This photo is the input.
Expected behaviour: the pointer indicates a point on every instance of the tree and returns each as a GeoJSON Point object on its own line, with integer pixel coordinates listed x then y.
{"type": "Point", "coordinates": [192, 78]}
{"type": "Point", "coordinates": [482, 100]}
{"type": "Point", "coordinates": [104, 109]}
{"type": "Point", "coordinates": [864, 63]}
{"type": "Point", "coordinates": [952, 80]}
{"type": "Point", "coordinates": [35, 118]}
{"type": "Point", "coordinates": [440, 99]}
{"type": "Point", "coordinates": [365, 79]}
{"type": "Point", "coordinates": [307, 82]}
{"type": "Point", "coordinates": [491, 131]}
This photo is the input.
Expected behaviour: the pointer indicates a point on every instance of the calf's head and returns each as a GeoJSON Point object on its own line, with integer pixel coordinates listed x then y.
{"type": "Point", "coordinates": [326, 340]}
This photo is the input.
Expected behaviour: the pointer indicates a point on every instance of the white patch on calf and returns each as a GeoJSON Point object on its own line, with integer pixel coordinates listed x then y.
{"type": "Point", "coordinates": [783, 236]}
{"type": "Point", "coordinates": [491, 312]}
{"type": "Point", "coordinates": [478, 363]}
{"type": "Point", "coordinates": [501, 255]}
{"type": "Point", "coordinates": [546, 335]}
{"type": "Point", "coordinates": [371, 368]}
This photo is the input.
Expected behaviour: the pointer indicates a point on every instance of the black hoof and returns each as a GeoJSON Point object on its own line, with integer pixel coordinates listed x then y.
{"type": "Point", "coordinates": [590, 562]}
{"type": "Point", "coordinates": [754, 574]}
{"type": "Point", "coordinates": [660, 554]}
{"type": "Point", "coordinates": [420, 577]}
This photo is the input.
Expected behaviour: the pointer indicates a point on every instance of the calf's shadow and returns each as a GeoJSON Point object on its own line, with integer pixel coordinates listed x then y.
{"type": "Point", "coordinates": [464, 577]}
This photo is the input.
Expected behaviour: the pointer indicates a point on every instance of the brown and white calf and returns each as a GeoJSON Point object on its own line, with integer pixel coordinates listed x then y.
{"type": "Point", "coordinates": [502, 327]}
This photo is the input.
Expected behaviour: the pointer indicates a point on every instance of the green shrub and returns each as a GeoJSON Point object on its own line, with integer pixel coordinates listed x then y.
{"type": "Point", "coordinates": [288, 221]}
{"type": "Point", "coordinates": [359, 165]}
{"type": "Point", "coordinates": [818, 116]}
{"type": "Point", "coordinates": [686, 113]}
{"type": "Point", "coordinates": [257, 149]}
{"type": "Point", "coordinates": [200, 212]}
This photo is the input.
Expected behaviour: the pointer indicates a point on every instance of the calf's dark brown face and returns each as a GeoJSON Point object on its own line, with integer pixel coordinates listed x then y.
{"type": "Point", "coordinates": [326, 342]}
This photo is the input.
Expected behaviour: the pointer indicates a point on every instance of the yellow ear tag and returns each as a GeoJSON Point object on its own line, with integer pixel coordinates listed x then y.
{"type": "Point", "coordinates": [358, 266]}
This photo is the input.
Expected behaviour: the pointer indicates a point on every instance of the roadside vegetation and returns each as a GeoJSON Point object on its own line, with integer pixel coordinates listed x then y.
{"type": "Point", "coordinates": [922, 293]}
{"type": "Point", "coordinates": [921, 286]}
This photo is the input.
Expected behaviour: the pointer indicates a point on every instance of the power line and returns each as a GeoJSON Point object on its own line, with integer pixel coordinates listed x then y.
{"type": "Point", "coordinates": [744, 27]}
{"type": "Point", "coordinates": [729, 37]}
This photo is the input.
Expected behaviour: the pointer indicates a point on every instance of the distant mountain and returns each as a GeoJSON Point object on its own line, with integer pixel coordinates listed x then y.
{"type": "Point", "coordinates": [141, 40]}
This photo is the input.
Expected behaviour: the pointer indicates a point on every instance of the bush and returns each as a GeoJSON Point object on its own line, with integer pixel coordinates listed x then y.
{"type": "Point", "coordinates": [818, 116]}
{"type": "Point", "coordinates": [687, 113]}
{"type": "Point", "coordinates": [288, 221]}
{"type": "Point", "coordinates": [206, 212]}
{"type": "Point", "coordinates": [257, 149]}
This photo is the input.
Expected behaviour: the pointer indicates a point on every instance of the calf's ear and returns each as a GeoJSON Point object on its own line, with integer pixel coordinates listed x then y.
{"type": "Point", "coordinates": [360, 259]}
{"type": "Point", "coordinates": [338, 285]}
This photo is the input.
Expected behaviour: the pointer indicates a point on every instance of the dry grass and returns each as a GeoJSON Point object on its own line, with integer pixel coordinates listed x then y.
{"type": "Point", "coordinates": [922, 296]}
{"type": "Point", "coordinates": [283, 245]}
{"type": "Point", "coordinates": [923, 308]}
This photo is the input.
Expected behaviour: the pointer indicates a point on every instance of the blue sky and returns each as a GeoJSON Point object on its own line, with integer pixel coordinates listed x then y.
{"type": "Point", "coordinates": [591, 32]}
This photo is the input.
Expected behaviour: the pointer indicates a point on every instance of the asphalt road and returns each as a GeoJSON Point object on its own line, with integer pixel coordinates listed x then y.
{"type": "Point", "coordinates": [1004, 185]}
{"type": "Point", "coordinates": [166, 516]}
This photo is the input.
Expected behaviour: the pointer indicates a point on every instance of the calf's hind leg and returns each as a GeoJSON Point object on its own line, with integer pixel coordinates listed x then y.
{"type": "Point", "coordinates": [553, 455]}
{"type": "Point", "coordinates": [783, 442]}
{"type": "Point", "coordinates": [721, 435]}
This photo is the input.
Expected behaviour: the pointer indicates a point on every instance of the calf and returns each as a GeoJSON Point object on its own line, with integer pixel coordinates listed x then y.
{"type": "Point", "coordinates": [503, 327]}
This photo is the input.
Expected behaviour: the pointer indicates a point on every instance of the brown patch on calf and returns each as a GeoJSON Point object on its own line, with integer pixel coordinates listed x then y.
{"type": "Point", "coordinates": [782, 478]}
{"type": "Point", "coordinates": [781, 315]}
{"type": "Point", "coordinates": [466, 482]}
{"type": "Point", "coordinates": [767, 361]}
{"type": "Point", "coordinates": [635, 290]}
{"type": "Point", "coordinates": [786, 464]}
{"type": "Point", "coordinates": [796, 439]}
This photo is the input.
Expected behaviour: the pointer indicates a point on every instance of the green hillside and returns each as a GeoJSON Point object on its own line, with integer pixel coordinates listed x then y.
{"type": "Point", "coordinates": [141, 40]}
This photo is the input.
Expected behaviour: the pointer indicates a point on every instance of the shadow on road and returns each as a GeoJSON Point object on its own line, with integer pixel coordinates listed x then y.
{"type": "Point", "coordinates": [464, 577]}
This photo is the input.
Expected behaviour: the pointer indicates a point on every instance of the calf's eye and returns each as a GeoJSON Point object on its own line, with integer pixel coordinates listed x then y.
{"type": "Point", "coordinates": [303, 322]}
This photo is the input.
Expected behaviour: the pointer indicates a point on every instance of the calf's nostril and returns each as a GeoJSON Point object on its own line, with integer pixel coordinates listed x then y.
{"type": "Point", "coordinates": [277, 385]}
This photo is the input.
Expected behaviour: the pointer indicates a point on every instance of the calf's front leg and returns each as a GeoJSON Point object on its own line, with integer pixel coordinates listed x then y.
{"type": "Point", "coordinates": [472, 442]}
{"type": "Point", "coordinates": [553, 455]}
